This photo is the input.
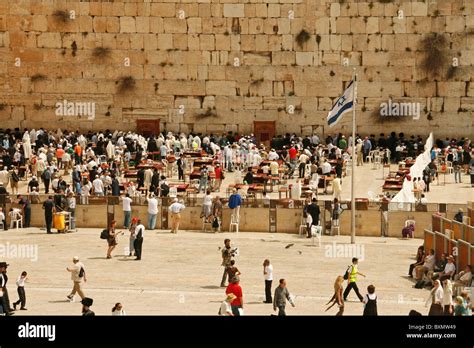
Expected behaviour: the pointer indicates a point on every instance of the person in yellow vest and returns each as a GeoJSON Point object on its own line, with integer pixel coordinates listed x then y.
{"type": "Point", "coordinates": [352, 273]}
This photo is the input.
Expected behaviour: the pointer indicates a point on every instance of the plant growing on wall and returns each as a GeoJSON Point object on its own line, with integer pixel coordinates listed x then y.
{"type": "Point", "coordinates": [208, 113]}
{"type": "Point", "coordinates": [38, 77]}
{"type": "Point", "coordinates": [61, 16]}
{"type": "Point", "coordinates": [126, 84]}
{"type": "Point", "coordinates": [302, 37]}
{"type": "Point", "coordinates": [434, 47]}
{"type": "Point", "coordinates": [101, 52]}
{"type": "Point", "coordinates": [2, 106]}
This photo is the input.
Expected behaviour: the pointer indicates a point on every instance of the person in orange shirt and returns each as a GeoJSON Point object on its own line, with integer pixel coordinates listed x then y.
{"type": "Point", "coordinates": [77, 153]}
{"type": "Point", "coordinates": [59, 155]}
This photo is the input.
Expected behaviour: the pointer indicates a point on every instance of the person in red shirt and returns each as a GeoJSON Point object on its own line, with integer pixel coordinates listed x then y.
{"type": "Point", "coordinates": [235, 288]}
{"type": "Point", "coordinates": [219, 177]}
{"type": "Point", "coordinates": [293, 153]}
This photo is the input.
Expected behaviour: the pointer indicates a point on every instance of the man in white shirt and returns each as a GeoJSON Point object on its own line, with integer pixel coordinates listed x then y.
{"type": "Point", "coordinates": [326, 168]}
{"type": "Point", "coordinates": [268, 275]}
{"type": "Point", "coordinates": [127, 210]}
{"type": "Point", "coordinates": [273, 156]}
{"type": "Point", "coordinates": [303, 159]}
{"type": "Point", "coordinates": [4, 176]}
{"type": "Point", "coordinates": [137, 244]}
{"type": "Point", "coordinates": [448, 272]}
{"type": "Point", "coordinates": [78, 274]}
{"type": "Point", "coordinates": [226, 308]}
{"type": "Point", "coordinates": [152, 211]}
{"type": "Point", "coordinates": [175, 210]}
{"type": "Point", "coordinates": [98, 187]}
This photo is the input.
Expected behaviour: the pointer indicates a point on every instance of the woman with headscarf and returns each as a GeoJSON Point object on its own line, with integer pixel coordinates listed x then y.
{"type": "Point", "coordinates": [448, 297]}
{"type": "Point", "coordinates": [436, 299]}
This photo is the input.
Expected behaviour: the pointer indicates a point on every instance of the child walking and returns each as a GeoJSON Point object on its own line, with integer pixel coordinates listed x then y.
{"type": "Point", "coordinates": [21, 291]}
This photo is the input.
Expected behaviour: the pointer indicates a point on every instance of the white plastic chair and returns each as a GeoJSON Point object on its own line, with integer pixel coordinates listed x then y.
{"type": "Point", "coordinates": [316, 233]}
{"type": "Point", "coordinates": [16, 221]}
{"type": "Point", "coordinates": [370, 156]}
{"type": "Point", "coordinates": [234, 222]}
{"type": "Point", "coordinates": [449, 167]}
{"type": "Point", "coordinates": [205, 224]}
{"type": "Point", "coordinates": [302, 228]}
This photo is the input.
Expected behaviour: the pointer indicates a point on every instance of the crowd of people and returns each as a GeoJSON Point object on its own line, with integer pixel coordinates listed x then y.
{"type": "Point", "coordinates": [75, 166]}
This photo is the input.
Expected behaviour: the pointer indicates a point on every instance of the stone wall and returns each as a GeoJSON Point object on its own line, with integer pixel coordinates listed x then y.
{"type": "Point", "coordinates": [218, 65]}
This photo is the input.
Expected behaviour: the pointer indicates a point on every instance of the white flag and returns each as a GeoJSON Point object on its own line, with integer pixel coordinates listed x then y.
{"type": "Point", "coordinates": [344, 104]}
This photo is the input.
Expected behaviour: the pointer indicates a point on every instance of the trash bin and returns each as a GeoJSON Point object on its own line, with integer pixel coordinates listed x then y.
{"type": "Point", "coordinates": [59, 222]}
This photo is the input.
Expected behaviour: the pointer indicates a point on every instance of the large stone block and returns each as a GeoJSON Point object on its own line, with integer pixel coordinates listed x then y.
{"type": "Point", "coordinates": [283, 58]}
{"type": "Point", "coordinates": [419, 9]}
{"type": "Point", "coordinates": [168, 87]}
{"type": "Point", "coordinates": [175, 25]}
{"type": "Point", "coordinates": [165, 41]}
{"type": "Point", "coordinates": [234, 10]}
{"type": "Point", "coordinates": [163, 9]}
{"type": "Point", "coordinates": [304, 58]}
{"type": "Point", "coordinates": [127, 25]}
{"type": "Point", "coordinates": [49, 40]}
{"type": "Point", "coordinates": [220, 87]}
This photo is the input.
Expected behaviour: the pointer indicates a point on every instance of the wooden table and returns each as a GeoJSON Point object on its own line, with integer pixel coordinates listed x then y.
{"type": "Point", "coordinates": [180, 187]}
{"type": "Point", "coordinates": [147, 165]}
{"type": "Point", "coordinates": [202, 162]}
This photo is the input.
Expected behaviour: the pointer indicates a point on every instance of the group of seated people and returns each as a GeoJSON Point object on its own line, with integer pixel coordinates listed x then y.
{"type": "Point", "coordinates": [435, 273]}
{"type": "Point", "coordinates": [427, 269]}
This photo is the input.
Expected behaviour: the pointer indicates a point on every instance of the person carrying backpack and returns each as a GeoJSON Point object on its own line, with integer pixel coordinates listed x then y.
{"type": "Point", "coordinates": [370, 301]}
{"type": "Point", "coordinates": [351, 276]}
{"type": "Point", "coordinates": [78, 275]}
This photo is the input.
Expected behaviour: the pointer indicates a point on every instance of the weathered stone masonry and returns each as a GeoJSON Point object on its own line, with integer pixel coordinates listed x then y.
{"type": "Point", "coordinates": [228, 63]}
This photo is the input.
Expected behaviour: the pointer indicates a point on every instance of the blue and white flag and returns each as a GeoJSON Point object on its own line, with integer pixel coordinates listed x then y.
{"type": "Point", "coordinates": [344, 104]}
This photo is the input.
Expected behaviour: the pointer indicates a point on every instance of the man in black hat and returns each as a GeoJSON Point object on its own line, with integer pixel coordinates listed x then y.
{"type": "Point", "coordinates": [5, 300]}
{"type": "Point", "coordinates": [86, 303]}
{"type": "Point", "coordinates": [49, 210]}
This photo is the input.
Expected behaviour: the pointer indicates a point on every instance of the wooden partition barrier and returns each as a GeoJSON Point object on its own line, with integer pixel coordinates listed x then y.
{"type": "Point", "coordinates": [458, 230]}
{"type": "Point", "coordinates": [464, 255]}
{"type": "Point", "coordinates": [436, 223]}
{"type": "Point", "coordinates": [446, 224]}
{"type": "Point", "coordinates": [429, 240]}
{"type": "Point", "coordinates": [440, 244]}
{"type": "Point", "coordinates": [470, 213]}
{"type": "Point", "coordinates": [469, 234]}
{"type": "Point", "coordinates": [471, 255]}
{"type": "Point", "coordinates": [452, 247]}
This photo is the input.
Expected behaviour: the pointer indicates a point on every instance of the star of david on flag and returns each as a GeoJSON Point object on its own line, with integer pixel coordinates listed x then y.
{"type": "Point", "coordinates": [343, 104]}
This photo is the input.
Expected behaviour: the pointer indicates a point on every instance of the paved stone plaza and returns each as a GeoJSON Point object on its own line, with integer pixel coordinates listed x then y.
{"type": "Point", "coordinates": [180, 274]}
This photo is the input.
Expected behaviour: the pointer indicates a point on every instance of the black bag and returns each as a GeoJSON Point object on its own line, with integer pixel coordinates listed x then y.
{"type": "Point", "coordinates": [420, 284]}
{"type": "Point", "coordinates": [165, 189]}
{"type": "Point", "coordinates": [104, 234]}
{"type": "Point", "coordinates": [15, 177]}
{"type": "Point", "coordinates": [81, 272]}
{"type": "Point", "coordinates": [215, 223]}
{"type": "Point", "coordinates": [346, 275]}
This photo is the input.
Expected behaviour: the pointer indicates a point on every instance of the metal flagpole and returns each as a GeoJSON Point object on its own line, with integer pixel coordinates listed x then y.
{"type": "Point", "coordinates": [353, 215]}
